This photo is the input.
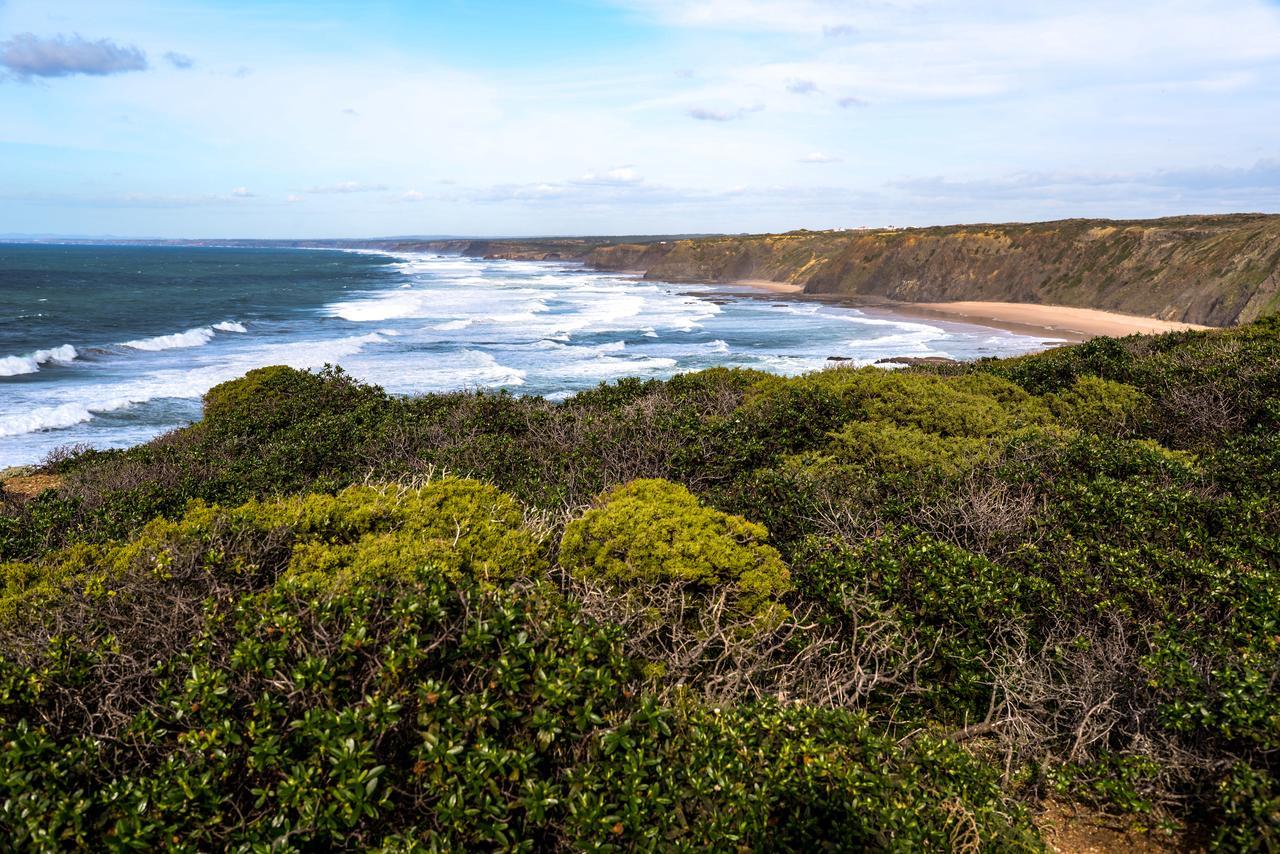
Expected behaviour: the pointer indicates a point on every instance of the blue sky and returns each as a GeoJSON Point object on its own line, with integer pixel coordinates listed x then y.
{"type": "Point", "coordinates": [181, 118]}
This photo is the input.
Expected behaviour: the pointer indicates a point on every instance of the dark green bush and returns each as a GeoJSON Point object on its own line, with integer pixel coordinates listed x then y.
{"type": "Point", "coordinates": [448, 715]}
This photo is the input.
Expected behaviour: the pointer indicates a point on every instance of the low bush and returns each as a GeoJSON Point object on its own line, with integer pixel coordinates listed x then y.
{"type": "Point", "coordinates": [456, 526]}
{"type": "Point", "coordinates": [651, 531]}
{"type": "Point", "coordinates": [434, 713]}
{"type": "Point", "coordinates": [1100, 406]}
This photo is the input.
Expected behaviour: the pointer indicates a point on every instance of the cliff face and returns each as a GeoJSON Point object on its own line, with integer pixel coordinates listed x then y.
{"type": "Point", "coordinates": [1212, 270]}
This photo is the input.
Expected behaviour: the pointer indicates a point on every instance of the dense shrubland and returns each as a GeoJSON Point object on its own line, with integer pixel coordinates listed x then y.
{"type": "Point", "coordinates": [859, 608]}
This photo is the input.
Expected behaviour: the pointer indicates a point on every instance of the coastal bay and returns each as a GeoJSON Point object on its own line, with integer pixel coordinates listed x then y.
{"type": "Point", "coordinates": [113, 374]}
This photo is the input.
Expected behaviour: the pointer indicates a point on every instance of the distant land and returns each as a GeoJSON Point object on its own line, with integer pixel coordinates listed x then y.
{"type": "Point", "coordinates": [1218, 270]}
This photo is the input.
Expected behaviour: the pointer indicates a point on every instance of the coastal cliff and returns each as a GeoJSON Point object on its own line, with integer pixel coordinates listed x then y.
{"type": "Point", "coordinates": [1211, 270]}
{"type": "Point", "coordinates": [1219, 270]}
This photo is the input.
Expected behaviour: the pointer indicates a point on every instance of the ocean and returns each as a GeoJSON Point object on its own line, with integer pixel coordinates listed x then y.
{"type": "Point", "coordinates": [109, 346]}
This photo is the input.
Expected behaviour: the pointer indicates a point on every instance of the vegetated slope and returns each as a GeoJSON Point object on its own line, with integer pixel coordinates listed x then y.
{"type": "Point", "coordinates": [853, 609]}
{"type": "Point", "coordinates": [1214, 270]}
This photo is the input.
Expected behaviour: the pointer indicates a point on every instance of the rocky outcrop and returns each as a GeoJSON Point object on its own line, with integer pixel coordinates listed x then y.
{"type": "Point", "coordinates": [1214, 270]}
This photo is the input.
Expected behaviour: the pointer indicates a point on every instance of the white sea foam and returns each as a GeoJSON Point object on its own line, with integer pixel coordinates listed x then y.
{"type": "Point", "coordinates": [81, 402]}
{"type": "Point", "coordinates": [197, 337]}
{"type": "Point", "coordinates": [899, 339]}
{"type": "Point", "coordinates": [607, 366]}
{"type": "Point", "coordinates": [438, 372]}
{"type": "Point", "coordinates": [44, 418]}
{"type": "Point", "coordinates": [12, 366]}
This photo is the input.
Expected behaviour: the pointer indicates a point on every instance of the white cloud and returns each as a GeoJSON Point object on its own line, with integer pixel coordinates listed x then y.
{"type": "Point", "coordinates": [412, 196]}
{"type": "Point", "coordinates": [242, 193]}
{"type": "Point", "coordinates": [818, 157]}
{"type": "Point", "coordinates": [775, 16]}
{"type": "Point", "coordinates": [346, 187]}
{"type": "Point", "coordinates": [802, 87]}
{"type": "Point", "coordinates": [615, 176]}
{"type": "Point", "coordinates": [937, 47]}
{"type": "Point", "coordinates": [707, 114]}
{"type": "Point", "coordinates": [179, 60]}
{"type": "Point", "coordinates": [27, 55]}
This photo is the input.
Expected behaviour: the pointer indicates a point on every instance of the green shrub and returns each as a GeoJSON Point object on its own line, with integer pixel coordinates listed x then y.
{"type": "Point", "coordinates": [652, 531]}
{"type": "Point", "coordinates": [1096, 405]}
{"type": "Point", "coordinates": [1249, 801]}
{"type": "Point", "coordinates": [270, 398]}
{"type": "Point", "coordinates": [935, 596]}
{"type": "Point", "coordinates": [887, 447]}
{"type": "Point", "coordinates": [761, 777]}
{"type": "Point", "coordinates": [447, 715]}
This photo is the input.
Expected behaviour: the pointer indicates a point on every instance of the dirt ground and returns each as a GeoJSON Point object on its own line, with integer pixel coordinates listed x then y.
{"type": "Point", "coordinates": [28, 486]}
{"type": "Point", "coordinates": [1074, 829]}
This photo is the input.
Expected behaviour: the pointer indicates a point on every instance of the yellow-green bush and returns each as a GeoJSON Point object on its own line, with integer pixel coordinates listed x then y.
{"type": "Point", "coordinates": [650, 531]}
{"type": "Point", "coordinates": [25, 584]}
{"type": "Point", "coordinates": [975, 406]}
{"type": "Point", "coordinates": [1096, 405]}
{"type": "Point", "coordinates": [970, 405]}
{"type": "Point", "coordinates": [890, 447]}
{"type": "Point", "coordinates": [454, 526]}
{"type": "Point", "coordinates": [919, 422]}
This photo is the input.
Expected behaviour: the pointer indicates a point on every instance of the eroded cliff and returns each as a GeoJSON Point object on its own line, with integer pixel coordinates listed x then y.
{"type": "Point", "coordinates": [1216, 270]}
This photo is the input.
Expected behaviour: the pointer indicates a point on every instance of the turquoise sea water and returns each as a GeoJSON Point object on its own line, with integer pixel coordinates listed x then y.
{"type": "Point", "coordinates": [112, 345]}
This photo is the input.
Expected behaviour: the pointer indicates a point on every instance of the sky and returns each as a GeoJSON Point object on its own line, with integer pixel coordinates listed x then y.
{"type": "Point", "coordinates": [281, 119]}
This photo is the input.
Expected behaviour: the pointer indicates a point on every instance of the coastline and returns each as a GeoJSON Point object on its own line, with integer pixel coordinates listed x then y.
{"type": "Point", "coordinates": [1065, 324]}
{"type": "Point", "coordinates": [1060, 319]}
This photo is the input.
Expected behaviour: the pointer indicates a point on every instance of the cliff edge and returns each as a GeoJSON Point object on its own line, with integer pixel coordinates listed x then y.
{"type": "Point", "coordinates": [1213, 270]}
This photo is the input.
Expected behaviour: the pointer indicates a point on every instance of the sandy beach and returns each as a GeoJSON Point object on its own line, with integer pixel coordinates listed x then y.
{"type": "Point", "coordinates": [1057, 322]}
{"type": "Point", "coordinates": [774, 287]}
{"type": "Point", "coordinates": [1084, 322]}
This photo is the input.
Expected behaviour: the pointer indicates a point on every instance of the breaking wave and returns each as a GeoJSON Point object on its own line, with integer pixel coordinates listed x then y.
{"type": "Point", "coordinates": [12, 366]}
{"type": "Point", "coordinates": [197, 337]}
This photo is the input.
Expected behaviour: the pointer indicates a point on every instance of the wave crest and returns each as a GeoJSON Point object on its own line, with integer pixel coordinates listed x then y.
{"type": "Point", "coordinates": [196, 337]}
{"type": "Point", "coordinates": [44, 418]}
{"type": "Point", "coordinates": [12, 366]}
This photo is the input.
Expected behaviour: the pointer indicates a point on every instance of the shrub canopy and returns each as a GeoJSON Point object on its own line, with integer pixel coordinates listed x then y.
{"type": "Point", "coordinates": [653, 530]}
